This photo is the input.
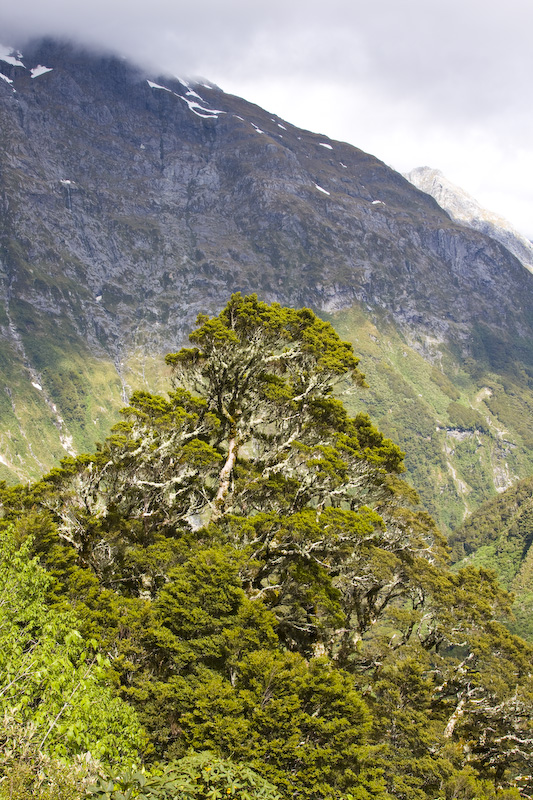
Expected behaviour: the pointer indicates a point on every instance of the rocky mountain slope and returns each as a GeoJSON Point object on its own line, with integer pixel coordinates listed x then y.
{"type": "Point", "coordinates": [463, 208]}
{"type": "Point", "coordinates": [130, 202]}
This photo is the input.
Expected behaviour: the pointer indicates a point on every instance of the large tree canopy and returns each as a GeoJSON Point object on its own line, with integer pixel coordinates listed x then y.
{"type": "Point", "coordinates": [267, 585]}
{"type": "Point", "coordinates": [252, 439]}
{"type": "Point", "coordinates": [268, 374]}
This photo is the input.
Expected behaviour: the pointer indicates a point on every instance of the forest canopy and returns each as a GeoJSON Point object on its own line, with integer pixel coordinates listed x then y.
{"type": "Point", "coordinates": [260, 588]}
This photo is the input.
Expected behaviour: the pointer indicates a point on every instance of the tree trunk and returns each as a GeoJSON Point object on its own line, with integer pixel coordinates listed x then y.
{"type": "Point", "coordinates": [454, 719]}
{"type": "Point", "coordinates": [224, 478]}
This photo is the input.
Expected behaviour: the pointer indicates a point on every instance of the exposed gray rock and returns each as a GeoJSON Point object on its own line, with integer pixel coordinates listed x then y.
{"type": "Point", "coordinates": [464, 209]}
{"type": "Point", "coordinates": [131, 202]}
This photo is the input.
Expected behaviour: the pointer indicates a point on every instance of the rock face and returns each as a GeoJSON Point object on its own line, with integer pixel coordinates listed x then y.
{"type": "Point", "coordinates": [464, 209]}
{"type": "Point", "coordinates": [130, 202]}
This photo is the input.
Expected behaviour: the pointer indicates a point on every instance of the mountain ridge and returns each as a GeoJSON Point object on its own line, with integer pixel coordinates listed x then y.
{"type": "Point", "coordinates": [463, 208]}
{"type": "Point", "coordinates": [280, 177]}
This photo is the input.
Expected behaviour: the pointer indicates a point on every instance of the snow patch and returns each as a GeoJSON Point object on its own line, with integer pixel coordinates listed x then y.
{"type": "Point", "coordinates": [200, 111]}
{"type": "Point", "coordinates": [323, 144]}
{"type": "Point", "coordinates": [203, 83]}
{"type": "Point", "coordinates": [257, 129]}
{"type": "Point", "coordinates": [343, 165]}
{"type": "Point", "coordinates": [5, 78]}
{"type": "Point", "coordinates": [153, 85]}
{"type": "Point", "coordinates": [6, 54]}
{"type": "Point", "coordinates": [378, 203]}
{"type": "Point", "coordinates": [65, 183]}
{"type": "Point", "coordinates": [37, 386]}
{"type": "Point", "coordinates": [40, 70]}
{"type": "Point", "coordinates": [192, 93]}
{"type": "Point", "coordinates": [320, 189]}
{"type": "Point", "coordinates": [282, 126]}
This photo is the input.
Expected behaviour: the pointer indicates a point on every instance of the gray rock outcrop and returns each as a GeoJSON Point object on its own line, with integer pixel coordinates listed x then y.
{"type": "Point", "coordinates": [464, 209]}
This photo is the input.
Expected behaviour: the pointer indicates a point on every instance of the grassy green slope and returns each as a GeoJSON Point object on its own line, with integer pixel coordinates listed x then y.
{"type": "Point", "coordinates": [57, 398]}
{"type": "Point", "coordinates": [78, 399]}
{"type": "Point", "coordinates": [463, 425]}
{"type": "Point", "coordinates": [499, 536]}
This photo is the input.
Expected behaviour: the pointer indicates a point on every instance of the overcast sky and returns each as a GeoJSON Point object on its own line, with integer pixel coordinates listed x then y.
{"type": "Point", "coordinates": [442, 83]}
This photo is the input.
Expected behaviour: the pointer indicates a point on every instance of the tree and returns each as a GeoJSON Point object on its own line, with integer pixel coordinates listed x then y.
{"type": "Point", "coordinates": [218, 679]}
{"type": "Point", "coordinates": [268, 373]}
{"type": "Point", "coordinates": [253, 425]}
{"type": "Point", "coordinates": [245, 528]}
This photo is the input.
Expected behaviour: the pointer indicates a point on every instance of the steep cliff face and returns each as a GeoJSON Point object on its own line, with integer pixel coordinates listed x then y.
{"type": "Point", "coordinates": [464, 209]}
{"type": "Point", "coordinates": [130, 202]}
{"type": "Point", "coordinates": [136, 202]}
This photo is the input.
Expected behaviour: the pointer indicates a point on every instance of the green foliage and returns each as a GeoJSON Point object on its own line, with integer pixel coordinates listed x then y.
{"type": "Point", "coordinates": [28, 779]}
{"type": "Point", "coordinates": [262, 369]}
{"type": "Point", "coordinates": [249, 323]}
{"type": "Point", "coordinates": [218, 662]}
{"type": "Point", "coordinates": [202, 776]}
{"type": "Point", "coordinates": [445, 384]}
{"type": "Point", "coordinates": [267, 589]}
{"type": "Point", "coordinates": [492, 519]}
{"type": "Point", "coordinates": [499, 536]}
{"type": "Point", "coordinates": [294, 722]}
{"type": "Point", "coordinates": [56, 695]}
{"type": "Point", "coordinates": [467, 419]}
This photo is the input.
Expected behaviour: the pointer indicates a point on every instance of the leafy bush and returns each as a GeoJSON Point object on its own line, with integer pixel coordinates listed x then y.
{"type": "Point", "coordinates": [55, 692]}
{"type": "Point", "coordinates": [198, 776]}
{"type": "Point", "coordinates": [43, 779]}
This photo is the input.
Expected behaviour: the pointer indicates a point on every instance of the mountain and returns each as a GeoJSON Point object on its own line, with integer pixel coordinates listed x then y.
{"type": "Point", "coordinates": [131, 201]}
{"type": "Point", "coordinates": [500, 536]}
{"type": "Point", "coordinates": [464, 209]}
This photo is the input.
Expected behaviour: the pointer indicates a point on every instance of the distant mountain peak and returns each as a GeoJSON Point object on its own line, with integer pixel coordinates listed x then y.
{"type": "Point", "coordinates": [463, 208]}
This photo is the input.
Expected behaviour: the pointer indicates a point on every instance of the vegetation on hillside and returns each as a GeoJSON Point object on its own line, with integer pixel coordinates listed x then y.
{"type": "Point", "coordinates": [257, 590]}
{"type": "Point", "coordinates": [462, 422]}
{"type": "Point", "coordinates": [499, 537]}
